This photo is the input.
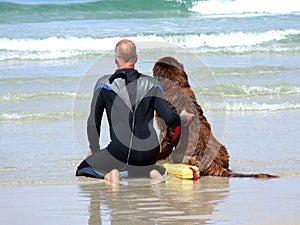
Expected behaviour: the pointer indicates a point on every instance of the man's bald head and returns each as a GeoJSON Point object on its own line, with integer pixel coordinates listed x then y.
{"type": "Point", "coordinates": [125, 53]}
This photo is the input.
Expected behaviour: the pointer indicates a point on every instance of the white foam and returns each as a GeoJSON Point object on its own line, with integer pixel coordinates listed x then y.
{"type": "Point", "coordinates": [254, 106]}
{"type": "Point", "coordinates": [254, 7]}
{"type": "Point", "coordinates": [66, 47]}
{"type": "Point", "coordinates": [28, 116]}
{"type": "Point", "coordinates": [243, 91]}
{"type": "Point", "coordinates": [23, 96]}
{"type": "Point", "coordinates": [236, 38]}
{"type": "Point", "coordinates": [58, 44]}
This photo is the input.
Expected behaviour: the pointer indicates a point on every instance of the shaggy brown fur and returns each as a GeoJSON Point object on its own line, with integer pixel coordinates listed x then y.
{"type": "Point", "coordinates": [197, 145]}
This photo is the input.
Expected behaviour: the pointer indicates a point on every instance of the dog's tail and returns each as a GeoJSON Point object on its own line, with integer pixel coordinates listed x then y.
{"type": "Point", "coordinates": [227, 173]}
{"type": "Point", "coordinates": [259, 175]}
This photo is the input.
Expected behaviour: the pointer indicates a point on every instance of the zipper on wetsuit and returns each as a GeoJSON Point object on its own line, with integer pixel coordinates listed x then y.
{"type": "Point", "coordinates": [131, 136]}
{"type": "Point", "coordinates": [132, 110]}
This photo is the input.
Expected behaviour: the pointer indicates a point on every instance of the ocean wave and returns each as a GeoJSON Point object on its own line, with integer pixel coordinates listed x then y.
{"type": "Point", "coordinates": [45, 117]}
{"type": "Point", "coordinates": [254, 106]}
{"type": "Point", "coordinates": [246, 91]}
{"type": "Point", "coordinates": [38, 80]}
{"type": "Point", "coordinates": [185, 40]}
{"type": "Point", "coordinates": [21, 97]}
{"type": "Point", "coordinates": [245, 7]}
{"type": "Point", "coordinates": [255, 71]}
{"type": "Point", "coordinates": [222, 43]}
{"type": "Point", "coordinates": [34, 116]}
{"type": "Point", "coordinates": [249, 106]}
{"type": "Point", "coordinates": [109, 9]}
{"type": "Point", "coordinates": [241, 97]}
{"type": "Point", "coordinates": [246, 105]}
{"type": "Point", "coordinates": [46, 11]}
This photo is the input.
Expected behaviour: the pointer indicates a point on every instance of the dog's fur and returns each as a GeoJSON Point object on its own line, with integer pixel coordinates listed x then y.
{"type": "Point", "coordinates": [197, 145]}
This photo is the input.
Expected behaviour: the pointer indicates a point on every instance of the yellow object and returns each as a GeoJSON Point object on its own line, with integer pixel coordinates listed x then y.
{"type": "Point", "coordinates": [182, 170]}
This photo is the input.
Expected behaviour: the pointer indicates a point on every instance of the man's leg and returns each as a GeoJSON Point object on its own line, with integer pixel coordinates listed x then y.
{"type": "Point", "coordinates": [101, 165]}
{"type": "Point", "coordinates": [155, 171]}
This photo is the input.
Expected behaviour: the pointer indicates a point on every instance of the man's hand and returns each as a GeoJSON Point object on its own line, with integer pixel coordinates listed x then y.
{"type": "Point", "coordinates": [189, 117]}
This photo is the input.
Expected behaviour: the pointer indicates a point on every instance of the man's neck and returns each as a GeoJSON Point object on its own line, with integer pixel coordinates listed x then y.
{"type": "Point", "coordinates": [127, 66]}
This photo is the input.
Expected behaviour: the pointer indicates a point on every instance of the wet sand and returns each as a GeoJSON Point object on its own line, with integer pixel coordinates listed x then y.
{"type": "Point", "coordinates": [253, 65]}
{"type": "Point", "coordinates": [209, 200]}
{"type": "Point", "coordinates": [43, 189]}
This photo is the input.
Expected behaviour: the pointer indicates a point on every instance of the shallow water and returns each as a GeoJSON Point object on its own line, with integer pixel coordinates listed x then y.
{"type": "Point", "coordinates": [249, 92]}
{"type": "Point", "coordinates": [47, 152]}
{"type": "Point", "coordinates": [40, 154]}
{"type": "Point", "coordinates": [38, 182]}
{"type": "Point", "coordinates": [209, 200]}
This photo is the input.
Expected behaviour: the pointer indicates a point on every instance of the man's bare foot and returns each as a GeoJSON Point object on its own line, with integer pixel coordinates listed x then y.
{"type": "Point", "coordinates": [154, 174]}
{"type": "Point", "coordinates": [113, 176]}
{"type": "Point", "coordinates": [156, 177]}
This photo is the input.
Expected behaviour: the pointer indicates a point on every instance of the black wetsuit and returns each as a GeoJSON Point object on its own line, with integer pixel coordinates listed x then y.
{"type": "Point", "coordinates": [129, 99]}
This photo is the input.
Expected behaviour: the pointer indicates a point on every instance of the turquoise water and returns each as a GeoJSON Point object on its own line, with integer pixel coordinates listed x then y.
{"type": "Point", "coordinates": [240, 60]}
{"type": "Point", "coordinates": [48, 50]}
{"type": "Point", "coordinates": [243, 61]}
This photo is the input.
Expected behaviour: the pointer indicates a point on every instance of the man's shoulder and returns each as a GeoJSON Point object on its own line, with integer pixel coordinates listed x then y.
{"type": "Point", "coordinates": [148, 83]}
{"type": "Point", "coordinates": [103, 79]}
{"type": "Point", "coordinates": [150, 79]}
{"type": "Point", "coordinates": [142, 75]}
{"type": "Point", "coordinates": [103, 82]}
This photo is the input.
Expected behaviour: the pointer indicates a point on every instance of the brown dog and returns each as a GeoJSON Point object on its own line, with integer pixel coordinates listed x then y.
{"type": "Point", "coordinates": [195, 144]}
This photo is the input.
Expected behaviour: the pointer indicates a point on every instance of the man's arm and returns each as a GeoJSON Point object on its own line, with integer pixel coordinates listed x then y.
{"type": "Point", "coordinates": [94, 121]}
{"type": "Point", "coordinates": [170, 117]}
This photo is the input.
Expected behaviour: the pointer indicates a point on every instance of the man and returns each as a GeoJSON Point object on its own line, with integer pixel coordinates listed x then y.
{"type": "Point", "coordinates": [129, 99]}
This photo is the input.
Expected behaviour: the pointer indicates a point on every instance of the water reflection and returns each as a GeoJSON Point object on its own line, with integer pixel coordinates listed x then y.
{"type": "Point", "coordinates": [174, 201]}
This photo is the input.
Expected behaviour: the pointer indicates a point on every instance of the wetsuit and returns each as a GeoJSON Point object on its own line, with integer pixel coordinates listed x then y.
{"type": "Point", "coordinates": [129, 99]}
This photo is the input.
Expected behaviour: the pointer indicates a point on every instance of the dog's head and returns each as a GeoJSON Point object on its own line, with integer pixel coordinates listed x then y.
{"type": "Point", "coordinates": [169, 72]}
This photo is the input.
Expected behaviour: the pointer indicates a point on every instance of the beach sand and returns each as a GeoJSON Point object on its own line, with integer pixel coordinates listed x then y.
{"type": "Point", "coordinates": [257, 142]}
{"type": "Point", "coordinates": [210, 200]}
{"type": "Point", "coordinates": [249, 92]}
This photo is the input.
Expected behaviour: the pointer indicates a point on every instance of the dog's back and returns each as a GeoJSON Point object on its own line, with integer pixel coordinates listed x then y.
{"type": "Point", "coordinates": [196, 145]}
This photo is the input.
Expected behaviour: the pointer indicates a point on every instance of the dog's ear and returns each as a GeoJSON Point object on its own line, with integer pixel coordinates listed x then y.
{"type": "Point", "coordinates": [161, 67]}
{"type": "Point", "coordinates": [186, 78]}
{"type": "Point", "coordinates": [169, 68]}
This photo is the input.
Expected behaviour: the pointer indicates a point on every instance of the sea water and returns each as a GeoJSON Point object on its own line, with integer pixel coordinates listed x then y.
{"type": "Point", "coordinates": [52, 52]}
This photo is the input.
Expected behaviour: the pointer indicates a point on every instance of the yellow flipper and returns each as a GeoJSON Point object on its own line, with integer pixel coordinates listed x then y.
{"type": "Point", "coordinates": [182, 170]}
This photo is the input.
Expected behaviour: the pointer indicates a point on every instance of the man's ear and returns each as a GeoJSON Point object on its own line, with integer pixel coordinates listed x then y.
{"type": "Point", "coordinates": [136, 58]}
{"type": "Point", "coordinates": [116, 60]}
